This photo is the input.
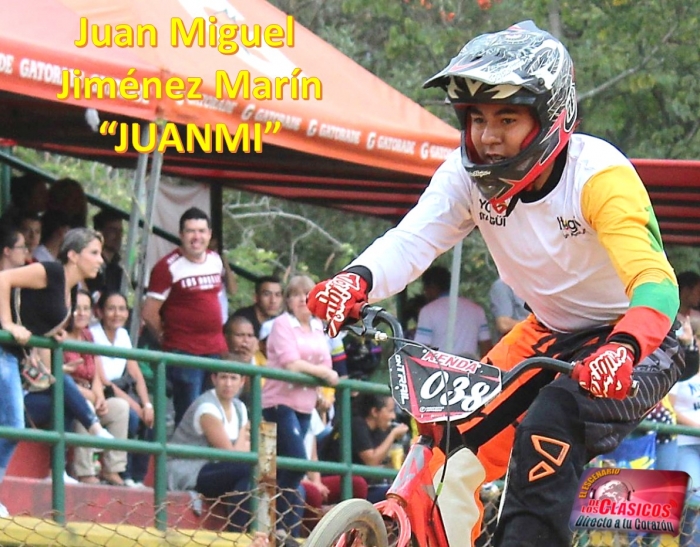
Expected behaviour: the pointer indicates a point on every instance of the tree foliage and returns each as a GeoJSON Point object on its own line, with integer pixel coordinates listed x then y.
{"type": "Point", "coordinates": [636, 67]}
{"type": "Point", "coordinates": [298, 238]}
{"type": "Point", "coordinates": [636, 60]}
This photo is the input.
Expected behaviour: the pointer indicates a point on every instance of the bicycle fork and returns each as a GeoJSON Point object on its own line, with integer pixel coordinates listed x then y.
{"type": "Point", "coordinates": [410, 499]}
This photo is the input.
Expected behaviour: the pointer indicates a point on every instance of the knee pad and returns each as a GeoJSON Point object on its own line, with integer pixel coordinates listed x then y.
{"type": "Point", "coordinates": [459, 503]}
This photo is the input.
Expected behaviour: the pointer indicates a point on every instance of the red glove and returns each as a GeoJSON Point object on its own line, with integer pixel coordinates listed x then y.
{"type": "Point", "coordinates": [333, 300]}
{"type": "Point", "coordinates": [607, 372]}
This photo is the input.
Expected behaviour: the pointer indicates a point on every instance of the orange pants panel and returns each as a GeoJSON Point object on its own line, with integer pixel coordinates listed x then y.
{"type": "Point", "coordinates": [515, 346]}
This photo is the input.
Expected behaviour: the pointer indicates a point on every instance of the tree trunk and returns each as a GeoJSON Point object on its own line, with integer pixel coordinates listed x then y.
{"type": "Point", "coordinates": [555, 19]}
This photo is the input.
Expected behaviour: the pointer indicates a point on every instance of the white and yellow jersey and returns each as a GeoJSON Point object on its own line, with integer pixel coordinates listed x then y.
{"type": "Point", "coordinates": [580, 255]}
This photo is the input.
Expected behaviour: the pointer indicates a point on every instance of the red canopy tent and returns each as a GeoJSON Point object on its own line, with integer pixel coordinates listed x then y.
{"type": "Point", "coordinates": [364, 147]}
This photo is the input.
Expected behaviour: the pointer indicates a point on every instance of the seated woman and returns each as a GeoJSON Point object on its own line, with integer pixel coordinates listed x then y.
{"type": "Point", "coordinates": [13, 247]}
{"type": "Point", "coordinates": [113, 412]}
{"type": "Point", "coordinates": [39, 410]}
{"type": "Point", "coordinates": [217, 418]}
{"type": "Point", "coordinates": [372, 437]}
{"type": "Point", "coordinates": [124, 377]}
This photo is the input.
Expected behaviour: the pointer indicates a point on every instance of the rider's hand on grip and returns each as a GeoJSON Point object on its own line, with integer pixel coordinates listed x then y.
{"type": "Point", "coordinates": [334, 300]}
{"type": "Point", "coordinates": [607, 372]}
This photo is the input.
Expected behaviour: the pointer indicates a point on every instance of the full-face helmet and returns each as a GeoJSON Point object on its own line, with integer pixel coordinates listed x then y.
{"type": "Point", "coordinates": [521, 65]}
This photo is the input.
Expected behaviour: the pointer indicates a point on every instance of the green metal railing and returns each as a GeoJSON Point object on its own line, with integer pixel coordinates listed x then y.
{"type": "Point", "coordinates": [159, 448]}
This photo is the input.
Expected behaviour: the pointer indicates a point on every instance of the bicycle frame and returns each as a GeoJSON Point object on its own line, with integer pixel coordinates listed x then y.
{"type": "Point", "coordinates": [410, 500]}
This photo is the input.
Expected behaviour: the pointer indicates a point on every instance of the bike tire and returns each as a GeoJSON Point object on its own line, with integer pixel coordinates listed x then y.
{"type": "Point", "coordinates": [354, 515]}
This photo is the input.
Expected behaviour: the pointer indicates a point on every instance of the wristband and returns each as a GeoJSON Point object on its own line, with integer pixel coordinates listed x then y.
{"type": "Point", "coordinates": [148, 405]}
{"type": "Point", "coordinates": [645, 325]}
{"type": "Point", "coordinates": [364, 273]}
{"type": "Point", "coordinates": [624, 338]}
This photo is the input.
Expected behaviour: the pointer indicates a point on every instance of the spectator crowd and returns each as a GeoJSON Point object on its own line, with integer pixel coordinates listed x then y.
{"type": "Point", "coordinates": [62, 279]}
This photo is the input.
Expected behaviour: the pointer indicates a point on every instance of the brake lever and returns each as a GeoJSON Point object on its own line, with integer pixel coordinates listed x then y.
{"type": "Point", "coordinates": [367, 332]}
{"type": "Point", "coordinates": [368, 315]}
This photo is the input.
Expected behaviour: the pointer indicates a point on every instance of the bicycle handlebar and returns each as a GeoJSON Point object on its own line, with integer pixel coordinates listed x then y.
{"type": "Point", "coordinates": [549, 363]}
{"type": "Point", "coordinates": [369, 314]}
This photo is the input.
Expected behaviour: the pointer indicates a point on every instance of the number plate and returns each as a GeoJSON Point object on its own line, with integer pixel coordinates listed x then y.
{"type": "Point", "coordinates": [430, 385]}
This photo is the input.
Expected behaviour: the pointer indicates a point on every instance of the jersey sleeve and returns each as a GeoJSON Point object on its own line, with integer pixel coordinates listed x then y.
{"type": "Point", "coordinates": [439, 220]}
{"type": "Point", "coordinates": [160, 282]}
{"type": "Point", "coordinates": [616, 205]}
{"type": "Point", "coordinates": [338, 356]}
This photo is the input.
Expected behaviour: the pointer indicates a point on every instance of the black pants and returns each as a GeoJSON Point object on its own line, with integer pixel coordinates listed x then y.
{"type": "Point", "coordinates": [563, 429]}
{"type": "Point", "coordinates": [230, 482]}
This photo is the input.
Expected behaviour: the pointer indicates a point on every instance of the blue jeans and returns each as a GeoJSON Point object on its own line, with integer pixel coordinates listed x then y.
{"type": "Point", "coordinates": [291, 430]}
{"type": "Point", "coordinates": [11, 405]}
{"type": "Point", "coordinates": [75, 407]}
{"type": "Point", "coordinates": [187, 385]}
{"type": "Point", "coordinates": [137, 462]}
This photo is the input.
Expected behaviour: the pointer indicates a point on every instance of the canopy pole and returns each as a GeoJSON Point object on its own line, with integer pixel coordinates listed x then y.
{"type": "Point", "coordinates": [135, 218]}
{"type": "Point", "coordinates": [142, 254]}
{"type": "Point", "coordinates": [6, 177]}
{"type": "Point", "coordinates": [216, 214]}
{"type": "Point", "coordinates": [454, 294]}
{"type": "Point", "coordinates": [137, 198]}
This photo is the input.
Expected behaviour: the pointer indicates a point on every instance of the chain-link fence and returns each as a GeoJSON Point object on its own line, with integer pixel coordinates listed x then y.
{"type": "Point", "coordinates": [231, 521]}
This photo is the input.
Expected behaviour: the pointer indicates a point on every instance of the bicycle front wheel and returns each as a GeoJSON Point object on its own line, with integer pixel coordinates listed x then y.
{"type": "Point", "coordinates": [351, 523]}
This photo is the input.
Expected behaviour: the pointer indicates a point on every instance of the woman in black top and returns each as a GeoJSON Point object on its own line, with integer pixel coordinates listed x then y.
{"type": "Point", "coordinates": [45, 295]}
{"type": "Point", "coordinates": [374, 431]}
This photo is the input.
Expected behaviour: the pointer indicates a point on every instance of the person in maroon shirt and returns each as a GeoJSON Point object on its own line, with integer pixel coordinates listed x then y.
{"type": "Point", "coordinates": [182, 308]}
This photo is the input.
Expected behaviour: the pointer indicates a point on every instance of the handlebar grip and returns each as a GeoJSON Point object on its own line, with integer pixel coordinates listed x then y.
{"type": "Point", "coordinates": [356, 310]}
{"type": "Point", "coordinates": [369, 315]}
